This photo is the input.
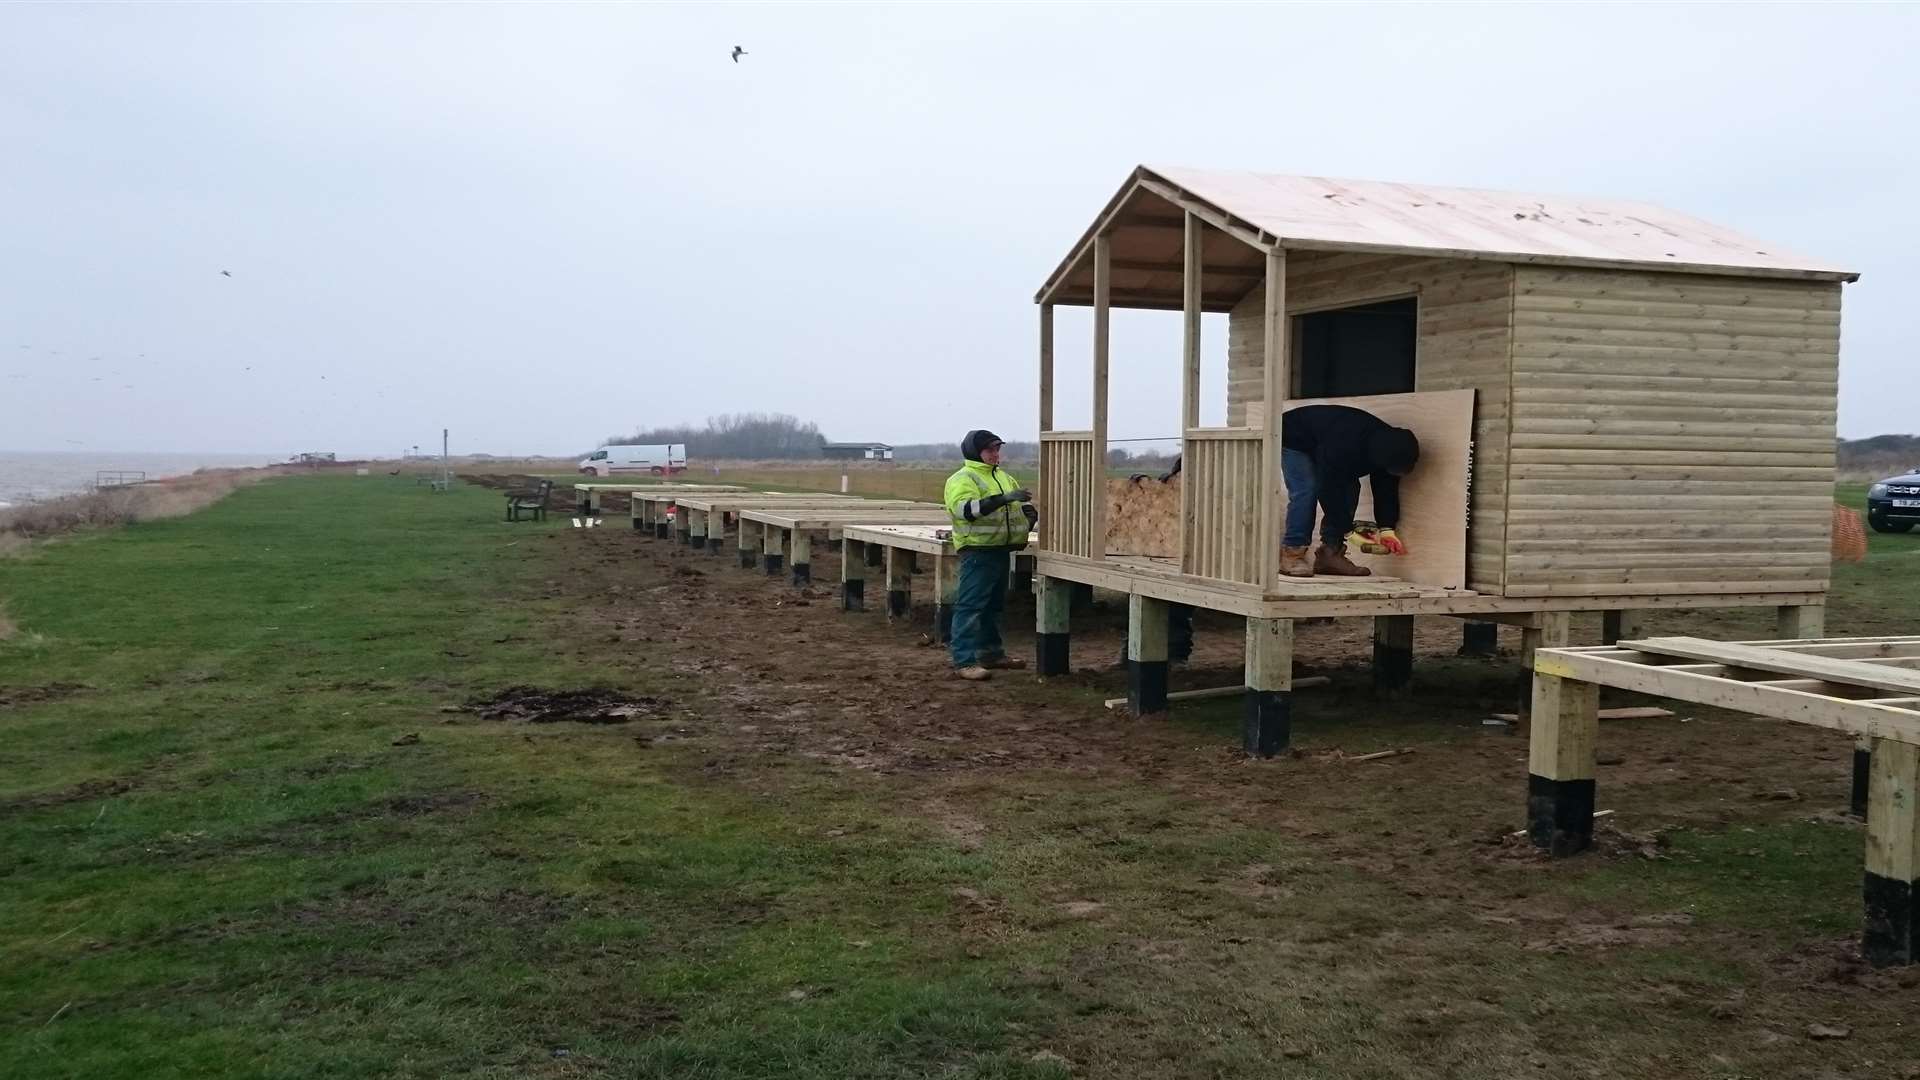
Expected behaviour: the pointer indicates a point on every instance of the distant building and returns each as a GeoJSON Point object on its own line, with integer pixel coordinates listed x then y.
{"type": "Point", "coordinates": [313, 457]}
{"type": "Point", "coordinates": [858, 451]}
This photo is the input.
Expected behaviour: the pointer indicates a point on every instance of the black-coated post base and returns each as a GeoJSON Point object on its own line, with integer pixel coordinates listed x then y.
{"type": "Point", "coordinates": [1267, 726]}
{"type": "Point", "coordinates": [1050, 653]}
{"type": "Point", "coordinates": [943, 623]}
{"type": "Point", "coordinates": [853, 595]}
{"type": "Point", "coordinates": [1892, 927]}
{"type": "Point", "coordinates": [773, 563]}
{"type": "Point", "coordinates": [1479, 638]}
{"type": "Point", "coordinates": [1862, 768]}
{"type": "Point", "coordinates": [1392, 668]}
{"type": "Point", "coordinates": [1560, 814]}
{"type": "Point", "coordinates": [662, 531]}
{"type": "Point", "coordinates": [802, 573]}
{"type": "Point", "coordinates": [638, 524]}
{"type": "Point", "coordinates": [899, 602]}
{"type": "Point", "coordinates": [1147, 687]}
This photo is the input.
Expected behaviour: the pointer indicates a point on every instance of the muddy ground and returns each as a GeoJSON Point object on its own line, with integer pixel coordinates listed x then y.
{"type": "Point", "coordinates": [781, 674]}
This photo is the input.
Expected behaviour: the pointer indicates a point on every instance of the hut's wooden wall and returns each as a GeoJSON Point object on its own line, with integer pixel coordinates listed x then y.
{"type": "Point", "coordinates": [1465, 311]}
{"type": "Point", "coordinates": [1671, 433]}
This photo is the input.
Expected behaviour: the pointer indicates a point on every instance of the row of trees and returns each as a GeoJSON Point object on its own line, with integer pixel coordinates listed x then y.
{"type": "Point", "coordinates": [737, 435]}
{"type": "Point", "coordinates": [777, 436]}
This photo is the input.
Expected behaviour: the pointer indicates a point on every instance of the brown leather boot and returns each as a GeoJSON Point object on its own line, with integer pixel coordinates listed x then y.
{"type": "Point", "coordinates": [1333, 560]}
{"type": "Point", "coordinates": [1296, 561]}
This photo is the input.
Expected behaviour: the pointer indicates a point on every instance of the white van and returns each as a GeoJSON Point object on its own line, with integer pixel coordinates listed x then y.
{"type": "Point", "coordinates": [660, 459]}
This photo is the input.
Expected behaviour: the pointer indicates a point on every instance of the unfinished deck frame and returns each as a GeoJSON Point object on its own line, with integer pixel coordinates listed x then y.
{"type": "Point", "coordinates": [1653, 409]}
{"type": "Point", "coordinates": [648, 506]}
{"type": "Point", "coordinates": [897, 551]}
{"type": "Point", "coordinates": [794, 530]}
{"type": "Point", "coordinates": [703, 519]}
{"type": "Point", "coordinates": [1868, 688]}
{"type": "Point", "coordinates": [588, 498]}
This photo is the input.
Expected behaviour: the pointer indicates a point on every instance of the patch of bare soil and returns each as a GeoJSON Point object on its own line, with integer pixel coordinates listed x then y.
{"type": "Point", "coordinates": [537, 705]}
{"type": "Point", "coordinates": [82, 792]}
{"type": "Point", "coordinates": [763, 674]}
{"type": "Point", "coordinates": [11, 696]}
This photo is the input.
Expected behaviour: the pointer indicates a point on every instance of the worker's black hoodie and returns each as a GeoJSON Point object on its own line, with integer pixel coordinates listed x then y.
{"type": "Point", "coordinates": [1346, 444]}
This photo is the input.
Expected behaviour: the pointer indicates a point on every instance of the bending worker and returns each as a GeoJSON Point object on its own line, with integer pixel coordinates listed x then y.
{"type": "Point", "coordinates": [992, 516]}
{"type": "Point", "coordinates": [1326, 449]}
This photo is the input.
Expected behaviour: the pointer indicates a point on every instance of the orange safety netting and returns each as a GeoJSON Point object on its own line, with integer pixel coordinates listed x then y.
{"type": "Point", "coordinates": [1849, 535]}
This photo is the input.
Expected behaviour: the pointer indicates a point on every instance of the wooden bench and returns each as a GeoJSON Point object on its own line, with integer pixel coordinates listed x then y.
{"type": "Point", "coordinates": [531, 501]}
{"type": "Point", "coordinates": [1864, 687]}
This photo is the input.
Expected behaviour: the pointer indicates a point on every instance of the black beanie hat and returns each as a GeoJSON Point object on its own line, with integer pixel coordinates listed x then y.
{"type": "Point", "coordinates": [1394, 450]}
{"type": "Point", "coordinates": [977, 441]}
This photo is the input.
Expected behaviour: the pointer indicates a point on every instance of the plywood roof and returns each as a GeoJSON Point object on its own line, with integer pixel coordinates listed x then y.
{"type": "Point", "coordinates": [1255, 211]}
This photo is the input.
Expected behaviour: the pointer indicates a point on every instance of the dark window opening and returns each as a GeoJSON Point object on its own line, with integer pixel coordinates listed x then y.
{"type": "Point", "coordinates": [1348, 352]}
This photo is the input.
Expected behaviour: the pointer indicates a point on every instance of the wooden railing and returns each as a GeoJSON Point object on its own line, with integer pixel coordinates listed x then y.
{"type": "Point", "coordinates": [1071, 482]}
{"type": "Point", "coordinates": [1221, 476]}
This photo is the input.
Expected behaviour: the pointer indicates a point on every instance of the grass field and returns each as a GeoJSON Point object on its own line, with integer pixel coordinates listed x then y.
{"type": "Point", "coordinates": [246, 832]}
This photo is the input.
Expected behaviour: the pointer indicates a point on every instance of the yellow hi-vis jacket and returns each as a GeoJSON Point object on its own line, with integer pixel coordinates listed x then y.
{"type": "Point", "coordinates": [1005, 528]}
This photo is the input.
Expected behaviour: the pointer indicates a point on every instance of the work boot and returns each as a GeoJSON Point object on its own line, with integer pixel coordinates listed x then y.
{"type": "Point", "coordinates": [1004, 663]}
{"type": "Point", "coordinates": [974, 673]}
{"type": "Point", "coordinates": [1333, 560]}
{"type": "Point", "coordinates": [1294, 561]}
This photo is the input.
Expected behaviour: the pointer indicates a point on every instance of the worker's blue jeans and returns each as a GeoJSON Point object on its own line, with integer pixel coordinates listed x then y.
{"type": "Point", "coordinates": [978, 598]}
{"type": "Point", "coordinates": [1302, 497]}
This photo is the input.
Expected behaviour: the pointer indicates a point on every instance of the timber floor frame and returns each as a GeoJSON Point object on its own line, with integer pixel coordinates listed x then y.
{"type": "Point", "coordinates": [1324, 596]}
{"type": "Point", "coordinates": [1868, 688]}
{"type": "Point", "coordinates": [772, 535]}
{"type": "Point", "coordinates": [587, 496]}
{"type": "Point", "coordinates": [894, 552]}
{"type": "Point", "coordinates": [704, 514]}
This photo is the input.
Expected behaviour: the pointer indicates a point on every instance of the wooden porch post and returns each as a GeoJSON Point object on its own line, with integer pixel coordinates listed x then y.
{"type": "Point", "coordinates": [1102, 312]}
{"type": "Point", "coordinates": [1043, 499]}
{"type": "Point", "coordinates": [1273, 493]}
{"type": "Point", "coordinates": [1192, 306]}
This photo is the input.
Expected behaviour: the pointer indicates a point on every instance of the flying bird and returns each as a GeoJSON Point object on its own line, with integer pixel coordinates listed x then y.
{"type": "Point", "coordinates": [738, 52]}
{"type": "Point", "coordinates": [226, 273]}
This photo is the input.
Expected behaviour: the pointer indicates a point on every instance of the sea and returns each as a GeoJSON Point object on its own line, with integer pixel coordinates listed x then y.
{"type": "Point", "coordinates": [36, 474]}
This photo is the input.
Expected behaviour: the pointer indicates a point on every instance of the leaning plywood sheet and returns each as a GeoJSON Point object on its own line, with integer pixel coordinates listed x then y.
{"type": "Point", "coordinates": [1143, 517]}
{"type": "Point", "coordinates": [1433, 497]}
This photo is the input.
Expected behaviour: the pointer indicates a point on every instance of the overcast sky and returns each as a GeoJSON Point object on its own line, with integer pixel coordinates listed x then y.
{"type": "Point", "coordinates": [541, 224]}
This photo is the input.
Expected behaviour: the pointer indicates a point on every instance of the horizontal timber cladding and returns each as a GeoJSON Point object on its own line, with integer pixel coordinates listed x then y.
{"type": "Point", "coordinates": [1669, 432]}
{"type": "Point", "coordinates": [1465, 308]}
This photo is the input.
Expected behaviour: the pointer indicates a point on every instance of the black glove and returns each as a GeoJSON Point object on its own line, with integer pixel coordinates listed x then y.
{"type": "Point", "coordinates": [1033, 516]}
{"type": "Point", "coordinates": [994, 502]}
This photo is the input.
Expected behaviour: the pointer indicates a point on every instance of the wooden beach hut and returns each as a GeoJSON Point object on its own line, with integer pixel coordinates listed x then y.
{"type": "Point", "coordinates": [1621, 408]}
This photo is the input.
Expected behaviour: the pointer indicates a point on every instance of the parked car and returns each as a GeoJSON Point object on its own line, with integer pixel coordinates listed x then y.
{"type": "Point", "coordinates": [1893, 504]}
{"type": "Point", "coordinates": [660, 459]}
